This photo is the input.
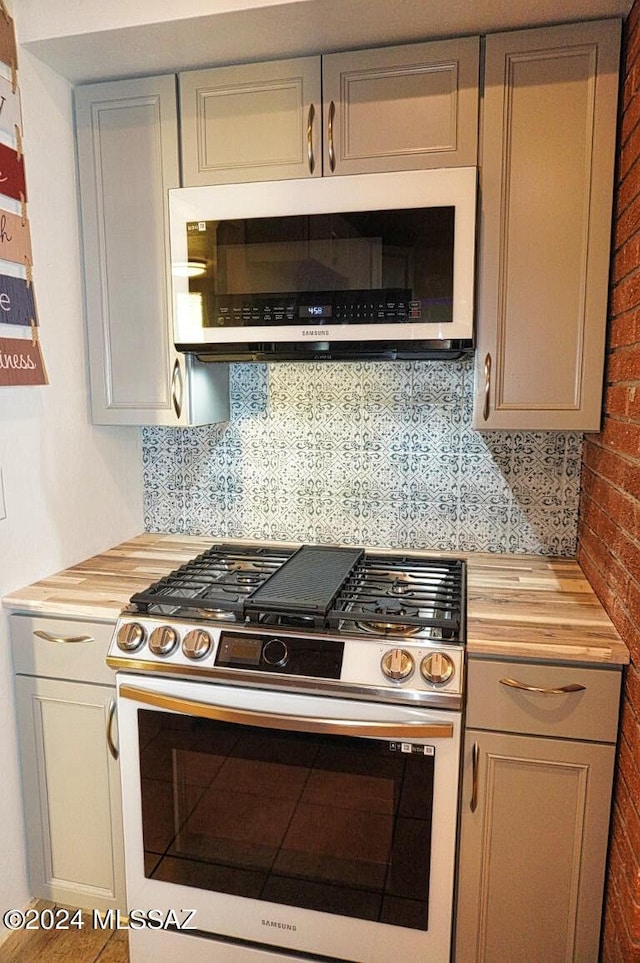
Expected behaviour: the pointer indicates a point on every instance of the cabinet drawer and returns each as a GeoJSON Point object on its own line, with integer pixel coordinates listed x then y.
{"type": "Point", "coordinates": [66, 649]}
{"type": "Point", "coordinates": [589, 713]}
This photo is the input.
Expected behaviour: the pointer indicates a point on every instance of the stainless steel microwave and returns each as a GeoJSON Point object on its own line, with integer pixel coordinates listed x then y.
{"type": "Point", "coordinates": [362, 266]}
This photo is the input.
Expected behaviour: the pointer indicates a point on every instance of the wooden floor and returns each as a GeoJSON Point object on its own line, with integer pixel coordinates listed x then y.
{"type": "Point", "coordinates": [73, 945]}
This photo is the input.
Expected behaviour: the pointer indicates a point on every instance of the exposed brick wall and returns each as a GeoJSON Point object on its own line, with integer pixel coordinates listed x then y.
{"type": "Point", "coordinates": [609, 527]}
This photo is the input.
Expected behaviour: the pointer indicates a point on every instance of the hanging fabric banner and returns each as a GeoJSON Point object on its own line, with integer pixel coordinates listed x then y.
{"type": "Point", "coordinates": [12, 179]}
{"type": "Point", "coordinates": [8, 49]}
{"type": "Point", "coordinates": [10, 113]}
{"type": "Point", "coordinates": [15, 238]}
{"type": "Point", "coordinates": [17, 303]}
{"type": "Point", "coordinates": [21, 362]}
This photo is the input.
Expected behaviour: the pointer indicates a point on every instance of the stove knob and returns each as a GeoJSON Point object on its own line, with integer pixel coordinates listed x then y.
{"type": "Point", "coordinates": [275, 652]}
{"type": "Point", "coordinates": [196, 644]}
{"type": "Point", "coordinates": [437, 668]}
{"type": "Point", "coordinates": [163, 640]}
{"type": "Point", "coordinates": [130, 636]}
{"type": "Point", "coordinates": [397, 665]}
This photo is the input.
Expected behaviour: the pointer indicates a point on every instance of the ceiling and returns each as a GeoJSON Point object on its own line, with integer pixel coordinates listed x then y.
{"type": "Point", "coordinates": [280, 30]}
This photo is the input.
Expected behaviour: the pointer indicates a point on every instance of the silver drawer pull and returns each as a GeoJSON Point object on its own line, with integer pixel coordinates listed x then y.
{"type": "Point", "coordinates": [62, 639]}
{"type": "Point", "coordinates": [572, 687]}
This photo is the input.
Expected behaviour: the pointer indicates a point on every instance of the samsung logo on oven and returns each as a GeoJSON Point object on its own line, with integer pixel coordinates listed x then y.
{"type": "Point", "coordinates": [279, 926]}
{"type": "Point", "coordinates": [315, 332]}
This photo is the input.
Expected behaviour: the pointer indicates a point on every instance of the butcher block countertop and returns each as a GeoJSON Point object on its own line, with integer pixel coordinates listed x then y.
{"type": "Point", "coordinates": [518, 606]}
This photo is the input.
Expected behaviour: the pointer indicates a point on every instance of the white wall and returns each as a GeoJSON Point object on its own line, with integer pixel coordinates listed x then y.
{"type": "Point", "coordinates": [70, 489]}
{"type": "Point", "coordinates": [88, 40]}
{"type": "Point", "coordinates": [59, 18]}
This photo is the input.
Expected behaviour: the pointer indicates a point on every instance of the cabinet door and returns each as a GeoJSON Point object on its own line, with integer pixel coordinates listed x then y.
{"type": "Point", "coordinates": [401, 108]}
{"type": "Point", "coordinates": [254, 122]}
{"type": "Point", "coordinates": [127, 134]}
{"type": "Point", "coordinates": [547, 160]}
{"type": "Point", "coordinates": [532, 853]}
{"type": "Point", "coordinates": [71, 789]}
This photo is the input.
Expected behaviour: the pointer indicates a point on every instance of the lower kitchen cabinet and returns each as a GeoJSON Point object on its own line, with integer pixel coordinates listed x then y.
{"type": "Point", "coordinates": [535, 812]}
{"type": "Point", "coordinates": [70, 776]}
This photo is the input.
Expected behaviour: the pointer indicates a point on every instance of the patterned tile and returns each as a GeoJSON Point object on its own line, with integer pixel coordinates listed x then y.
{"type": "Point", "coordinates": [371, 453]}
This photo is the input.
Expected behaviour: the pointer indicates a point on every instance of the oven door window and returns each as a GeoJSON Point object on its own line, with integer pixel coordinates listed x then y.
{"type": "Point", "coordinates": [328, 823]}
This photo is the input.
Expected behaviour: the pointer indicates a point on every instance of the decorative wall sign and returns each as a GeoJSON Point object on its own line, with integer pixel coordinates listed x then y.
{"type": "Point", "coordinates": [15, 239]}
{"type": "Point", "coordinates": [10, 114]}
{"type": "Point", "coordinates": [8, 49]}
{"type": "Point", "coordinates": [17, 303]}
{"type": "Point", "coordinates": [21, 361]}
{"type": "Point", "coordinates": [12, 179]}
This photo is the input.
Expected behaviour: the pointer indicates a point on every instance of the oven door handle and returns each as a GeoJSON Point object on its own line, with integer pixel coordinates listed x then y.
{"type": "Point", "coordinates": [273, 720]}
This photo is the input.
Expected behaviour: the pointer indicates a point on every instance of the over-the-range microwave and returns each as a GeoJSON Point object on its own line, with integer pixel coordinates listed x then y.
{"type": "Point", "coordinates": [370, 266]}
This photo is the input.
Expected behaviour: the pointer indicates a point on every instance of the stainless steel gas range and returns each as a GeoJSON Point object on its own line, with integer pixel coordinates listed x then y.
{"type": "Point", "coordinates": [290, 727]}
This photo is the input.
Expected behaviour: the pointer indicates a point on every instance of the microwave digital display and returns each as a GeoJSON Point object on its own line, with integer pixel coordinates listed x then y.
{"type": "Point", "coordinates": [359, 267]}
{"type": "Point", "coordinates": [315, 311]}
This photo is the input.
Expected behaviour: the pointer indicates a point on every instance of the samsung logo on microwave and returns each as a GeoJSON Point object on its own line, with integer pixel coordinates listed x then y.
{"type": "Point", "coordinates": [279, 926]}
{"type": "Point", "coordinates": [315, 332]}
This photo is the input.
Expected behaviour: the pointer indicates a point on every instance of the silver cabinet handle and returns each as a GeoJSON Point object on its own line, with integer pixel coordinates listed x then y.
{"type": "Point", "coordinates": [113, 749]}
{"type": "Point", "coordinates": [274, 720]}
{"type": "Point", "coordinates": [310, 157]}
{"type": "Point", "coordinates": [332, 153]}
{"type": "Point", "coordinates": [475, 762]}
{"type": "Point", "coordinates": [62, 639]}
{"type": "Point", "coordinates": [177, 388]}
{"type": "Point", "coordinates": [560, 690]}
{"type": "Point", "coordinates": [487, 387]}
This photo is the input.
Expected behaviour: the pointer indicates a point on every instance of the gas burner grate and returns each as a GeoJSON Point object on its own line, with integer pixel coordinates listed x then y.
{"type": "Point", "coordinates": [316, 588]}
{"type": "Point", "coordinates": [213, 585]}
{"type": "Point", "coordinates": [403, 595]}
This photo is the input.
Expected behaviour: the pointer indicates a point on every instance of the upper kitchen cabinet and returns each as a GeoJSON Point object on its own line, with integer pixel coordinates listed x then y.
{"type": "Point", "coordinates": [255, 122]}
{"type": "Point", "coordinates": [547, 161]}
{"type": "Point", "coordinates": [388, 109]}
{"type": "Point", "coordinates": [127, 135]}
{"type": "Point", "coordinates": [401, 108]}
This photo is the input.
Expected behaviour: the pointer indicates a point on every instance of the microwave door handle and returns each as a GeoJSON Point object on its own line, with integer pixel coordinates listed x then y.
{"type": "Point", "coordinates": [273, 720]}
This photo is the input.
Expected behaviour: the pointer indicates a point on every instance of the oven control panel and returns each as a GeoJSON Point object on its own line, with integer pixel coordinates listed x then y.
{"type": "Point", "coordinates": [411, 668]}
{"type": "Point", "coordinates": [291, 655]}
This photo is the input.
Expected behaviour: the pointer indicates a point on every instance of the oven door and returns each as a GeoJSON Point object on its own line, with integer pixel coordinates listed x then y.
{"type": "Point", "coordinates": [321, 827]}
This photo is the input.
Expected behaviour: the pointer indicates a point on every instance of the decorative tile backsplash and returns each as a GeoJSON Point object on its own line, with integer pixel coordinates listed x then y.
{"type": "Point", "coordinates": [367, 453]}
